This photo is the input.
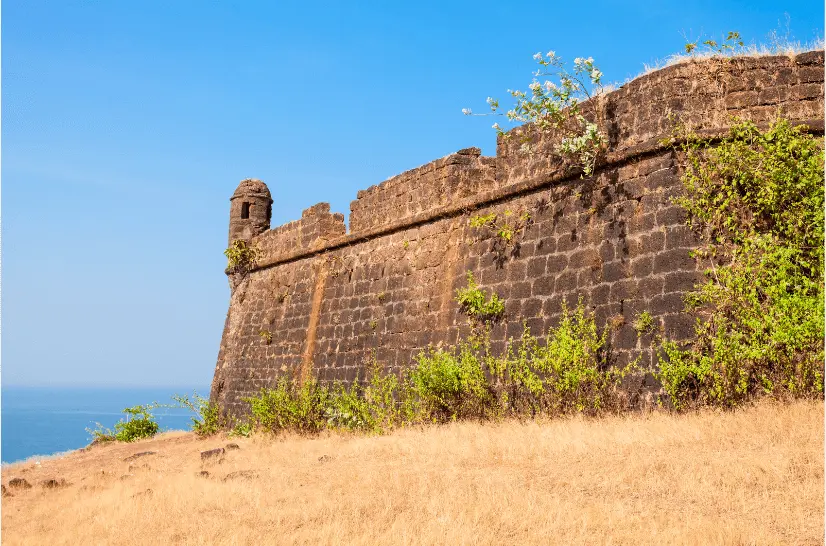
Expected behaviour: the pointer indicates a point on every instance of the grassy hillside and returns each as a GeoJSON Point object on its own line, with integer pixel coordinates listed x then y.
{"type": "Point", "coordinates": [754, 476]}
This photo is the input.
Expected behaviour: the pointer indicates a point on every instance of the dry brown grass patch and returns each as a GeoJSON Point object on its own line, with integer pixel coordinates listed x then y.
{"type": "Point", "coordinates": [754, 476]}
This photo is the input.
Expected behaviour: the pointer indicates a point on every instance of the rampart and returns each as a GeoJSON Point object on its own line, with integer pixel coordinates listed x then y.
{"type": "Point", "coordinates": [331, 300]}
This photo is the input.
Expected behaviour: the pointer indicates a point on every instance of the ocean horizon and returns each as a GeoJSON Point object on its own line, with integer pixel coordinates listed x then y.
{"type": "Point", "coordinates": [44, 421]}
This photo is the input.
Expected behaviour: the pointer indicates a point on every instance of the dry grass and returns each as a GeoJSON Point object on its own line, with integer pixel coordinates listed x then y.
{"type": "Point", "coordinates": [749, 477]}
{"type": "Point", "coordinates": [777, 47]}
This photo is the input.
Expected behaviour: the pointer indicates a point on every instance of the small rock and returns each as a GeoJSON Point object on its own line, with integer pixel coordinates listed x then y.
{"type": "Point", "coordinates": [203, 474]}
{"type": "Point", "coordinates": [5, 491]}
{"type": "Point", "coordinates": [146, 492]}
{"type": "Point", "coordinates": [126, 476]}
{"type": "Point", "coordinates": [141, 454]}
{"type": "Point", "coordinates": [241, 474]}
{"type": "Point", "coordinates": [233, 446]}
{"type": "Point", "coordinates": [211, 453]}
{"type": "Point", "coordinates": [53, 483]}
{"type": "Point", "coordinates": [19, 483]}
{"type": "Point", "coordinates": [324, 459]}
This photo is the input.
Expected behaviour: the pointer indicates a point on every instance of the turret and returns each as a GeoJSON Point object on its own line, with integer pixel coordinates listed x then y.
{"type": "Point", "coordinates": [250, 210]}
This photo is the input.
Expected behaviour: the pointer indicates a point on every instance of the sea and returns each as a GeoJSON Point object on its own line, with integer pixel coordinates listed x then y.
{"type": "Point", "coordinates": [43, 421]}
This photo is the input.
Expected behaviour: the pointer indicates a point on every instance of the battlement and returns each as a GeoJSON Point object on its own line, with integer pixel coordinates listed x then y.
{"type": "Point", "coordinates": [314, 230]}
{"type": "Point", "coordinates": [332, 299]}
{"type": "Point", "coordinates": [447, 180]}
{"type": "Point", "coordinates": [704, 94]}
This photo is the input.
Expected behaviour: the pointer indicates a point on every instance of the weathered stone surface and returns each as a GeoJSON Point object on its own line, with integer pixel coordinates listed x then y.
{"type": "Point", "coordinates": [333, 299]}
{"type": "Point", "coordinates": [212, 453]}
{"type": "Point", "coordinates": [54, 483]}
{"type": "Point", "coordinates": [19, 483]}
{"type": "Point", "coordinates": [139, 455]}
{"type": "Point", "coordinates": [232, 446]}
{"type": "Point", "coordinates": [241, 475]}
{"type": "Point", "coordinates": [144, 493]}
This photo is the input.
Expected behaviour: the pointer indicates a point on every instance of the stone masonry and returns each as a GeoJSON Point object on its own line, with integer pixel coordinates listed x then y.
{"type": "Point", "coordinates": [332, 300]}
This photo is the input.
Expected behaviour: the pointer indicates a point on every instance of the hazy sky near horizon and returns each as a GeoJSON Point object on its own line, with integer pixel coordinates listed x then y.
{"type": "Point", "coordinates": [126, 126]}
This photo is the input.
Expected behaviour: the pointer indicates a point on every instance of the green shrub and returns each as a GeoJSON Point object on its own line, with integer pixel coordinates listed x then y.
{"type": "Point", "coordinates": [451, 384]}
{"type": "Point", "coordinates": [476, 304]}
{"type": "Point", "coordinates": [757, 202]}
{"type": "Point", "coordinates": [571, 372]}
{"type": "Point", "coordinates": [242, 428]}
{"type": "Point", "coordinates": [241, 257]}
{"type": "Point", "coordinates": [139, 423]}
{"type": "Point", "coordinates": [644, 323]}
{"type": "Point", "coordinates": [291, 407]}
{"type": "Point", "coordinates": [207, 419]}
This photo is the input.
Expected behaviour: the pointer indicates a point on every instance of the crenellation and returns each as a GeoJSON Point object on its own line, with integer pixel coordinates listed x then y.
{"type": "Point", "coordinates": [334, 300]}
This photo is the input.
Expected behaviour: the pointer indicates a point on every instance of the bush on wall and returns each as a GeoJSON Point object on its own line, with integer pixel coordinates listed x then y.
{"type": "Point", "coordinates": [756, 199]}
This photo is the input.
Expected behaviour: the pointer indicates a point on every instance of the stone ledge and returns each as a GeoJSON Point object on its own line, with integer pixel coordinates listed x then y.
{"type": "Point", "coordinates": [613, 159]}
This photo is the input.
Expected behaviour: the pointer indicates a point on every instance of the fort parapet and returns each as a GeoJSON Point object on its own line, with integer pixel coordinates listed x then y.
{"type": "Point", "coordinates": [332, 300]}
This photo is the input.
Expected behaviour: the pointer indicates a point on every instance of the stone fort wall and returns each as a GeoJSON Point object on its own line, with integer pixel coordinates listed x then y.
{"type": "Point", "coordinates": [331, 299]}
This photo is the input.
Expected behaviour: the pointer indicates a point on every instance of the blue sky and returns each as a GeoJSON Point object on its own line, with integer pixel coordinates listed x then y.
{"type": "Point", "coordinates": [127, 125]}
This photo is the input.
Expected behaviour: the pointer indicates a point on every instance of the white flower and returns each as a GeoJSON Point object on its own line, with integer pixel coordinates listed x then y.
{"type": "Point", "coordinates": [496, 126]}
{"type": "Point", "coordinates": [534, 85]}
{"type": "Point", "coordinates": [550, 54]}
{"type": "Point", "coordinates": [466, 111]}
{"type": "Point", "coordinates": [538, 56]}
{"type": "Point", "coordinates": [578, 61]}
{"type": "Point", "coordinates": [549, 86]}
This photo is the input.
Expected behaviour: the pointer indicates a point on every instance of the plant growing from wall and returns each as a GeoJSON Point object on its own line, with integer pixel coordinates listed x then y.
{"type": "Point", "coordinates": [756, 200]}
{"type": "Point", "coordinates": [266, 336]}
{"type": "Point", "coordinates": [506, 228]}
{"type": "Point", "coordinates": [732, 43]}
{"type": "Point", "coordinates": [241, 258]}
{"type": "Point", "coordinates": [561, 104]}
{"type": "Point", "coordinates": [476, 303]}
{"type": "Point", "coordinates": [644, 323]}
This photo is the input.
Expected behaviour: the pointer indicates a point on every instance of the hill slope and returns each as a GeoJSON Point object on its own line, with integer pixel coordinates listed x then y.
{"type": "Point", "coordinates": [754, 476]}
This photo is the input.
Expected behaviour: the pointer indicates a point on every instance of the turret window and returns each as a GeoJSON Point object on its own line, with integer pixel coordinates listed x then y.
{"type": "Point", "coordinates": [245, 210]}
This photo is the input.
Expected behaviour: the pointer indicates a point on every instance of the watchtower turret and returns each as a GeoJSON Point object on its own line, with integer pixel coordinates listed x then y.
{"type": "Point", "coordinates": [250, 210]}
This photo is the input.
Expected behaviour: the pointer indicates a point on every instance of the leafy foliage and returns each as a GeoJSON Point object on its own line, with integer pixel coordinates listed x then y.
{"type": "Point", "coordinates": [505, 228]}
{"type": "Point", "coordinates": [558, 106]}
{"type": "Point", "coordinates": [451, 384]}
{"type": "Point", "coordinates": [570, 372]}
{"type": "Point", "coordinates": [139, 423]}
{"type": "Point", "coordinates": [757, 202]}
{"type": "Point", "coordinates": [241, 258]}
{"type": "Point", "coordinates": [289, 406]}
{"type": "Point", "coordinates": [644, 323]}
{"type": "Point", "coordinates": [477, 304]}
{"type": "Point", "coordinates": [731, 44]}
{"type": "Point", "coordinates": [206, 420]}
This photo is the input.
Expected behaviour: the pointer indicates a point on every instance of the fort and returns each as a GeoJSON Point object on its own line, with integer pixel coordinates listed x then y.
{"type": "Point", "coordinates": [323, 300]}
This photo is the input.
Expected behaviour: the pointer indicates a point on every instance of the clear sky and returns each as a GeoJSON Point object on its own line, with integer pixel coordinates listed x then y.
{"type": "Point", "coordinates": [126, 126]}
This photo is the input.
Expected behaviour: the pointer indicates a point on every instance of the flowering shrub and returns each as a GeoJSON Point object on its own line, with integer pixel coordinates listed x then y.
{"type": "Point", "coordinates": [558, 105]}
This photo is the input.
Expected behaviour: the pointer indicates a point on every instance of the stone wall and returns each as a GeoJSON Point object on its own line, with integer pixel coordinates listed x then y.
{"type": "Point", "coordinates": [333, 300]}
